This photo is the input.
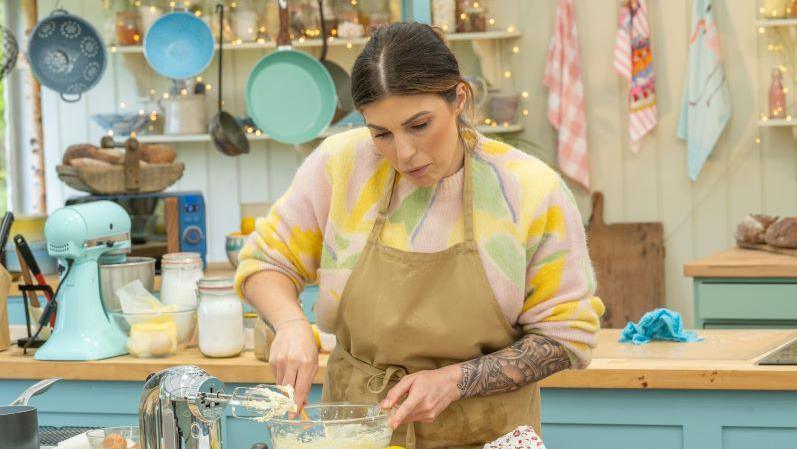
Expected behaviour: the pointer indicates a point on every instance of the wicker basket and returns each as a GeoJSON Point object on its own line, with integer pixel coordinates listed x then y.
{"type": "Point", "coordinates": [128, 178]}
{"type": "Point", "coordinates": [111, 180]}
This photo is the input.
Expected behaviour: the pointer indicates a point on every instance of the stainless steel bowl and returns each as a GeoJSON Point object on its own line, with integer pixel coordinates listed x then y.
{"type": "Point", "coordinates": [116, 275]}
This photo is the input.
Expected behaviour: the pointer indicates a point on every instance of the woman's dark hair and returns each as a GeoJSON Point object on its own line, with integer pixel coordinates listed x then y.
{"type": "Point", "coordinates": [408, 59]}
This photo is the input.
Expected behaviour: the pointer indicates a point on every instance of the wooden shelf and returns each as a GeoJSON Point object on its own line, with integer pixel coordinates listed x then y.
{"type": "Point", "coordinates": [187, 138]}
{"type": "Point", "coordinates": [484, 35]}
{"type": "Point", "coordinates": [500, 129]}
{"type": "Point", "coordinates": [335, 42]}
{"type": "Point", "coordinates": [777, 122]}
{"type": "Point", "coordinates": [776, 22]}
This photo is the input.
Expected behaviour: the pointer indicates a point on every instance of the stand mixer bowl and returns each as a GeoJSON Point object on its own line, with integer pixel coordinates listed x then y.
{"type": "Point", "coordinates": [334, 426]}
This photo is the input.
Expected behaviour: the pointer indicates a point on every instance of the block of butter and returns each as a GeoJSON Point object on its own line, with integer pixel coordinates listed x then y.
{"type": "Point", "coordinates": [156, 338]}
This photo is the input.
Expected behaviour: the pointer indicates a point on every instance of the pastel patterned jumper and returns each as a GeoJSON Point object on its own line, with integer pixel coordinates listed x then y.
{"type": "Point", "coordinates": [528, 229]}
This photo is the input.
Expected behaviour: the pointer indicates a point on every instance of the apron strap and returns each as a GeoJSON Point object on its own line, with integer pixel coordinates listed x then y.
{"type": "Point", "coordinates": [467, 203]}
{"type": "Point", "coordinates": [380, 379]}
{"type": "Point", "coordinates": [378, 383]}
{"type": "Point", "coordinates": [384, 203]}
{"type": "Point", "coordinates": [467, 198]}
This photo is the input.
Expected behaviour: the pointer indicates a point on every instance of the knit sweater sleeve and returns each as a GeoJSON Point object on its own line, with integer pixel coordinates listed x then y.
{"type": "Point", "coordinates": [560, 283]}
{"type": "Point", "coordinates": [290, 238]}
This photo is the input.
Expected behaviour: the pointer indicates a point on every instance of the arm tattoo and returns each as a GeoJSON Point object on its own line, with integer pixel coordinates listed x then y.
{"type": "Point", "coordinates": [530, 359]}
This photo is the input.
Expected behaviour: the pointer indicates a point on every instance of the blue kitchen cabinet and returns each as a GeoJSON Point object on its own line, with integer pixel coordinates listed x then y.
{"type": "Point", "coordinates": [741, 288]}
{"type": "Point", "coordinates": [737, 303]}
{"type": "Point", "coordinates": [572, 418]}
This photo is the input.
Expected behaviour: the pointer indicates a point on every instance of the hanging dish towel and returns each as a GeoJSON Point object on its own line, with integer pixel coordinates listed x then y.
{"type": "Point", "coordinates": [566, 96]}
{"type": "Point", "coordinates": [633, 60]}
{"type": "Point", "coordinates": [706, 104]}
{"type": "Point", "coordinates": [660, 324]}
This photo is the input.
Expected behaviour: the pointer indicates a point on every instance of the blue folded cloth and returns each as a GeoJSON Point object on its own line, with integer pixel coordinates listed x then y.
{"type": "Point", "coordinates": [660, 324]}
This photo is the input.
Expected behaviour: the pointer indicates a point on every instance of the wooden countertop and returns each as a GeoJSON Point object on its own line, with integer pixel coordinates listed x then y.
{"type": "Point", "coordinates": [213, 269]}
{"type": "Point", "coordinates": [725, 360]}
{"type": "Point", "coordinates": [743, 263]}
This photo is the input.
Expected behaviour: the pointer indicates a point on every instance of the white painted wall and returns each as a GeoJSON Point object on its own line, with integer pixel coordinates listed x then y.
{"type": "Point", "coordinates": [699, 218]}
{"type": "Point", "coordinates": [261, 176]}
{"type": "Point", "coordinates": [741, 177]}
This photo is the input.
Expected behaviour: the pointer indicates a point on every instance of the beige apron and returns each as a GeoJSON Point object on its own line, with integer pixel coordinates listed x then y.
{"type": "Point", "coordinates": [403, 312]}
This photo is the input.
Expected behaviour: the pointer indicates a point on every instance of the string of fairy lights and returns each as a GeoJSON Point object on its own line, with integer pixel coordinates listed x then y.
{"type": "Point", "coordinates": [778, 44]}
{"type": "Point", "coordinates": [311, 37]}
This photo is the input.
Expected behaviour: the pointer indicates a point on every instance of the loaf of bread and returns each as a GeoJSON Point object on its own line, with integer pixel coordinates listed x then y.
{"type": "Point", "coordinates": [783, 233]}
{"type": "Point", "coordinates": [89, 151]}
{"type": "Point", "coordinates": [158, 154]}
{"type": "Point", "coordinates": [88, 162]}
{"type": "Point", "coordinates": [753, 228]}
{"type": "Point", "coordinates": [112, 155]}
{"type": "Point", "coordinates": [80, 150]}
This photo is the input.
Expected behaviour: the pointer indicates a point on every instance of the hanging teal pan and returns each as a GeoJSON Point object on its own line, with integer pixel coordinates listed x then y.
{"type": "Point", "coordinates": [289, 94]}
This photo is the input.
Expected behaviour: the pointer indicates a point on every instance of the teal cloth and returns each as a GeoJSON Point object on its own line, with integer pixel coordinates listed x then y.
{"type": "Point", "coordinates": [706, 103]}
{"type": "Point", "coordinates": [660, 324]}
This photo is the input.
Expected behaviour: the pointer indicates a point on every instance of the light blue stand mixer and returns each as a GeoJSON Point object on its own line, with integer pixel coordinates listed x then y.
{"type": "Point", "coordinates": [78, 236]}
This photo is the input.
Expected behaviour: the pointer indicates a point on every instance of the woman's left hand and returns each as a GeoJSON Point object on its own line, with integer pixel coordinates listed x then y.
{"type": "Point", "coordinates": [427, 393]}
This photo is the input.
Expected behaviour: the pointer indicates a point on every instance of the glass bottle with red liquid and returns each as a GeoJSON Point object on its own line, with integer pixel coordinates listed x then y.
{"type": "Point", "coordinates": [777, 95]}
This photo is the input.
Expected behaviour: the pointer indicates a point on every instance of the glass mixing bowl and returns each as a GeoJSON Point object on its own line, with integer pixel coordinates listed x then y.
{"type": "Point", "coordinates": [334, 426]}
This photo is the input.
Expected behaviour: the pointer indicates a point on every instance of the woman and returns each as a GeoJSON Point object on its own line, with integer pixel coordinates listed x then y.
{"type": "Point", "coordinates": [452, 269]}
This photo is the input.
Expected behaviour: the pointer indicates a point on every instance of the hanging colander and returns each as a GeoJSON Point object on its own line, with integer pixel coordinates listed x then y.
{"type": "Point", "coordinates": [8, 60]}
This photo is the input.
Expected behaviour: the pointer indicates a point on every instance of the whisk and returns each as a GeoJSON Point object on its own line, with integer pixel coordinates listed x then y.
{"type": "Point", "coordinates": [260, 403]}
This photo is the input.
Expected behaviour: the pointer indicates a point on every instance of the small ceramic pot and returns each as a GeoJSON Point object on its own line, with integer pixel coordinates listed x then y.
{"type": "Point", "coordinates": [504, 107]}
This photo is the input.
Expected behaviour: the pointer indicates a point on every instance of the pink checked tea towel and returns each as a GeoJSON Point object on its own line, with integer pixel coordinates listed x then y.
{"type": "Point", "coordinates": [566, 96]}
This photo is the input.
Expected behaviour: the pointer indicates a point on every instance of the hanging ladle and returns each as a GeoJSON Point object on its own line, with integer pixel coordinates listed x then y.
{"type": "Point", "coordinates": [226, 132]}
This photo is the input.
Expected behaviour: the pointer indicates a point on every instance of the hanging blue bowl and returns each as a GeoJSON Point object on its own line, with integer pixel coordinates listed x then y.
{"type": "Point", "coordinates": [179, 45]}
{"type": "Point", "coordinates": [66, 54]}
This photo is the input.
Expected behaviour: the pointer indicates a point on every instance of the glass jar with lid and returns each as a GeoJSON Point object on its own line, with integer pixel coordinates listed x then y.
{"type": "Point", "coordinates": [179, 275]}
{"type": "Point", "coordinates": [127, 27]}
{"type": "Point", "coordinates": [374, 14]}
{"type": "Point", "coordinates": [243, 19]}
{"type": "Point", "coordinates": [350, 25]}
{"type": "Point", "coordinates": [221, 318]}
{"type": "Point", "coordinates": [250, 323]}
{"type": "Point", "coordinates": [264, 336]}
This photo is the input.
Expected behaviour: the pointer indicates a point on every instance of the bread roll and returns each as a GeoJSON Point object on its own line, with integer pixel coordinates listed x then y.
{"type": "Point", "coordinates": [112, 155]}
{"type": "Point", "coordinates": [158, 154]}
{"type": "Point", "coordinates": [80, 150]}
{"type": "Point", "coordinates": [783, 233]}
{"type": "Point", "coordinates": [88, 162]}
{"type": "Point", "coordinates": [753, 228]}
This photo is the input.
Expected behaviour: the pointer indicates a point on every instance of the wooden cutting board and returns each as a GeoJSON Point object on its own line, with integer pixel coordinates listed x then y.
{"type": "Point", "coordinates": [629, 265]}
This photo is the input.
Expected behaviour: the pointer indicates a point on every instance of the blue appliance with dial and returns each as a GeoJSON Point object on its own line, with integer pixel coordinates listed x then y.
{"type": "Point", "coordinates": [165, 222]}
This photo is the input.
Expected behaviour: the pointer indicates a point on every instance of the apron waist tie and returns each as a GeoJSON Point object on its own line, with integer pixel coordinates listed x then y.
{"type": "Point", "coordinates": [378, 382]}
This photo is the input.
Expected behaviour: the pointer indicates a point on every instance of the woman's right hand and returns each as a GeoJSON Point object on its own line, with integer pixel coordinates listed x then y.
{"type": "Point", "coordinates": [294, 358]}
